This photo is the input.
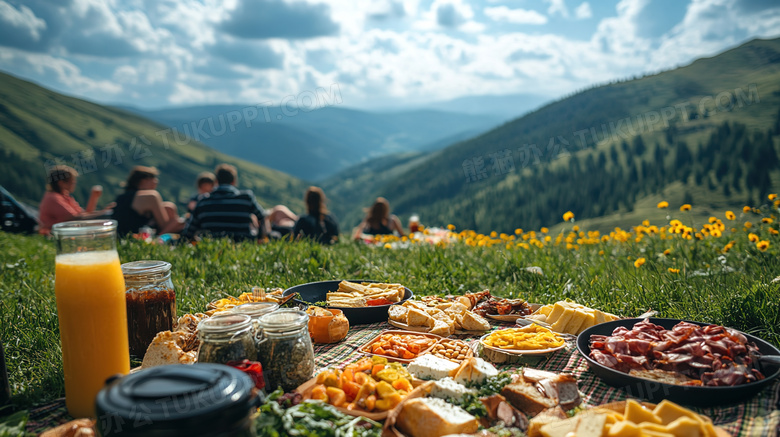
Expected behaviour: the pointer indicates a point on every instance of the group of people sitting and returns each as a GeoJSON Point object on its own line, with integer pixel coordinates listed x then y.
{"type": "Point", "coordinates": [218, 209]}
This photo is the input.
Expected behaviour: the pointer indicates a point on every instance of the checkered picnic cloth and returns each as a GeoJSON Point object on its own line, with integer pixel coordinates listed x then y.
{"type": "Point", "coordinates": [759, 416]}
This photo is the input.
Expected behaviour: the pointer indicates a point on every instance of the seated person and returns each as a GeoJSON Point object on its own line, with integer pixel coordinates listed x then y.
{"type": "Point", "coordinates": [58, 204]}
{"type": "Point", "coordinates": [228, 211]}
{"type": "Point", "coordinates": [282, 219]}
{"type": "Point", "coordinates": [317, 224]}
{"type": "Point", "coordinates": [205, 182]}
{"type": "Point", "coordinates": [141, 205]}
{"type": "Point", "coordinates": [379, 221]}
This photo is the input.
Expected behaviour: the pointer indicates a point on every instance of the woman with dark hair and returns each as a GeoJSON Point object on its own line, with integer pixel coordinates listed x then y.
{"type": "Point", "coordinates": [141, 205]}
{"type": "Point", "coordinates": [58, 204]}
{"type": "Point", "coordinates": [379, 221]}
{"type": "Point", "coordinates": [317, 224]}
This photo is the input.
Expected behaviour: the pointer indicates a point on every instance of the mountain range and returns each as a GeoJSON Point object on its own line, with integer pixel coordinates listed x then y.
{"type": "Point", "coordinates": [707, 133]}
{"type": "Point", "coordinates": [318, 141]}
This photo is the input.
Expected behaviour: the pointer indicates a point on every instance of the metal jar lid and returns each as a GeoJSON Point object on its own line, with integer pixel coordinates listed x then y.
{"type": "Point", "coordinates": [176, 400]}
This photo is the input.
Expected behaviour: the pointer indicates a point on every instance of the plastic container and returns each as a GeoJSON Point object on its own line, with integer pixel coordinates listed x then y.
{"type": "Point", "coordinates": [151, 302]}
{"type": "Point", "coordinates": [207, 400]}
{"type": "Point", "coordinates": [285, 351]}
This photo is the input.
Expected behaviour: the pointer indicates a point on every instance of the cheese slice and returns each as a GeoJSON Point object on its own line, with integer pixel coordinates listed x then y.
{"type": "Point", "coordinates": [431, 367]}
{"type": "Point", "coordinates": [624, 428]}
{"type": "Point", "coordinates": [577, 319]}
{"type": "Point", "coordinates": [556, 312]}
{"type": "Point", "coordinates": [636, 413]}
{"type": "Point", "coordinates": [668, 412]}
{"type": "Point", "coordinates": [686, 427]}
{"type": "Point", "coordinates": [559, 324]}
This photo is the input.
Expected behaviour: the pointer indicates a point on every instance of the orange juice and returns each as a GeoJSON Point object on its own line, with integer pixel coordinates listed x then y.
{"type": "Point", "coordinates": [90, 290]}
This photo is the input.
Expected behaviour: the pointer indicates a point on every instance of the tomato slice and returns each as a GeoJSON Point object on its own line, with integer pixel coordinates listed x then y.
{"type": "Point", "coordinates": [375, 302]}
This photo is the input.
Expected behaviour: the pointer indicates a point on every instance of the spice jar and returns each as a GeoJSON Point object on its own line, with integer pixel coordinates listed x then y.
{"type": "Point", "coordinates": [151, 302]}
{"type": "Point", "coordinates": [225, 339]}
{"type": "Point", "coordinates": [255, 310]}
{"type": "Point", "coordinates": [285, 351]}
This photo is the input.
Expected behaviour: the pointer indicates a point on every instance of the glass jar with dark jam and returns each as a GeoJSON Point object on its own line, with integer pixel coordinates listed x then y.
{"type": "Point", "coordinates": [151, 302]}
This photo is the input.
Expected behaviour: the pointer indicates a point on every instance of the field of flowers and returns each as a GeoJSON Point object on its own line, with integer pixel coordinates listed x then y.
{"type": "Point", "coordinates": [725, 271]}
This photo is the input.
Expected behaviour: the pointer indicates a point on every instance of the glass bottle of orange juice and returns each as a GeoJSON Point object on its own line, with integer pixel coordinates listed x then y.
{"type": "Point", "coordinates": [90, 291]}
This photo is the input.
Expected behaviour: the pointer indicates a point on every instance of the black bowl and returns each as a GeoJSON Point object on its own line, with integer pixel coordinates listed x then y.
{"type": "Point", "coordinates": [314, 292]}
{"type": "Point", "coordinates": [655, 391]}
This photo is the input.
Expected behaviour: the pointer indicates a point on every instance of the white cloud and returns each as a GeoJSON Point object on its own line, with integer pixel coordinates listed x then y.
{"type": "Point", "coordinates": [518, 16]}
{"type": "Point", "coordinates": [583, 11]}
{"type": "Point", "coordinates": [557, 7]}
{"type": "Point", "coordinates": [22, 19]}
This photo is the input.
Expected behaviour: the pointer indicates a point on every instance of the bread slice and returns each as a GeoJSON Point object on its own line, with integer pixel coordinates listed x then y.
{"type": "Point", "coordinates": [433, 417]}
{"type": "Point", "coordinates": [397, 313]}
{"type": "Point", "coordinates": [443, 328]}
{"type": "Point", "coordinates": [550, 415]}
{"type": "Point", "coordinates": [165, 349]}
{"type": "Point", "coordinates": [526, 398]}
{"type": "Point", "coordinates": [474, 322]}
{"type": "Point", "coordinates": [416, 317]}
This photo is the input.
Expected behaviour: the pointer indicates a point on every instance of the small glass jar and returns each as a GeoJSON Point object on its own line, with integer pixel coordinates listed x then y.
{"type": "Point", "coordinates": [151, 302]}
{"type": "Point", "coordinates": [285, 350]}
{"type": "Point", "coordinates": [225, 339]}
{"type": "Point", "coordinates": [255, 310]}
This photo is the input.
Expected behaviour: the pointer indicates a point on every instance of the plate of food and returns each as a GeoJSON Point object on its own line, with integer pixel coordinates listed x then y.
{"type": "Point", "coordinates": [689, 362]}
{"type": "Point", "coordinates": [528, 340]}
{"type": "Point", "coordinates": [566, 317]}
{"type": "Point", "coordinates": [369, 387]}
{"type": "Point", "coordinates": [505, 310]}
{"type": "Point", "coordinates": [361, 301]}
{"type": "Point", "coordinates": [440, 318]}
{"type": "Point", "coordinates": [402, 346]}
{"type": "Point", "coordinates": [257, 294]}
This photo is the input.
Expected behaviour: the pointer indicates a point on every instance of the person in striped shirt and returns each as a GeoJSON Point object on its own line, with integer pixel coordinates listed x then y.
{"type": "Point", "coordinates": [228, 211]}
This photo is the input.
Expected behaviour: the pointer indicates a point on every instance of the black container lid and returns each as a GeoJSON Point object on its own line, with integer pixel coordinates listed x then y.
{"type": "Point", "coordinates": [176, 400]}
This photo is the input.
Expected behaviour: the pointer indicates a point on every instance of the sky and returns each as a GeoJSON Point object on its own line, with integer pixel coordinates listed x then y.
{"type": "Point", "coordinates": [374, 53]}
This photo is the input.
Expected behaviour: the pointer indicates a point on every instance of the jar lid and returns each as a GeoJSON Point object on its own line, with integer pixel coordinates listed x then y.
{"type": "Point", "coordinates": [226, 324]}
{"type": "Point", "coordinates": [175, 400]}
{"type": "Point", "coordinates": [255, 309]}
{"type": "Point", "coordinates": [145, 267]}
{"type": "Point", "coordinates": [284, 320]}
{"type": "Point", "coordinates": [81, 228]}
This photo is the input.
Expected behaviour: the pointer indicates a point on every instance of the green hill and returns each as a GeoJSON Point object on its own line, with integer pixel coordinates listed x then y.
{"type": "Point", "coordinates": [39, 127]}
{"type": "Point", "coordinates": [706, 133]}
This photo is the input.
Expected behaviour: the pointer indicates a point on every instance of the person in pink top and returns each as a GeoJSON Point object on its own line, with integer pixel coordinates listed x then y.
{"type": "Point", "coordinates": [58, 204]}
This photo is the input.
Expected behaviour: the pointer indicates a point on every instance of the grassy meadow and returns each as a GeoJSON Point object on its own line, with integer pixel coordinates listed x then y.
{"type": "Point", "coordinates": [720, 271]}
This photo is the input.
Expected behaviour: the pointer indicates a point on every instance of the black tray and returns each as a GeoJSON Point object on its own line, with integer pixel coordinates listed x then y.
{"type": "Point", "coordinates": [317, 292]}
{"type": "Point", "coordinates": [656, 391]}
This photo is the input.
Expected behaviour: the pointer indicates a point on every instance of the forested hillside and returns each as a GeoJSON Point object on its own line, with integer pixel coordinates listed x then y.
{"type": "Point", "coordinates": [710, 128]}
{"type": "Point", "coordinates": [39, 128]}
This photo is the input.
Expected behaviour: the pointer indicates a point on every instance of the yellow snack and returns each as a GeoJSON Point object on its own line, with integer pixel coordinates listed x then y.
{"type": "Point", "coordinates": [624, 429]}
{"type": "Point", "coordinates": [636, 413]}
{"type": "Point", "coordinates": [533, 337]}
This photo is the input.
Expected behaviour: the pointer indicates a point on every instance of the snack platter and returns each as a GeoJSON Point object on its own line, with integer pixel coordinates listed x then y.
{"type": "Point", "coordinates": [415, 383]}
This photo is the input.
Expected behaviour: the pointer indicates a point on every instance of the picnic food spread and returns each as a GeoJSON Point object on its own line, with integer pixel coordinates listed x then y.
{"type": "Point", "coordinates": [419, 384]}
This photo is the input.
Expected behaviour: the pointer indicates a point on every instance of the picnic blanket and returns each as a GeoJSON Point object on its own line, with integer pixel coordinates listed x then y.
{"type": "Point", "coordinates": [758, 416]}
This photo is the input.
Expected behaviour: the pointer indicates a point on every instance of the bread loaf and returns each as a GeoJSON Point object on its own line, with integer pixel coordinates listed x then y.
{"type": "Point", "coordinates": [527, 398]}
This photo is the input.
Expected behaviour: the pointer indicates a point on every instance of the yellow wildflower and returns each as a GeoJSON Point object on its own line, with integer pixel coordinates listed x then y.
{"type": "Point", "coordinates": [773, 231]}
{"type": "Point", "coordinates": [568, 216]}
{"type": "Point", "coordinates": [388, 246]}
{"type": "Point", "coordinates": [767, 220]}
{"type": "Point", "coordinates": [601, 252]}
{"type": "Point", "coordinates": [752, 237]}
{"type": "Point", "coordinates": [772, 196]}
{"type": "Point", "coordinates": [716, 233]}
{"type": "Point", "coordinates": [451, 227]}
{"type": "Point", "coordinates": [493, 234]}
{"type": "Point", "coordinates": [639, 262]}
{"type": "Point", "coordinates": [730, 215]}
{"type": "Point", "coordinates": [575, 228]}
{"type": "Point", "coordinates": [713, 219]}
{"type": "Point", "coordinates": [518, 231]}
{"type": "Point", "coordinates": [685, 207]}
{"type": "Point", "coordinates": [746, 209]}
{"type": "Point", "coordinates": [544, 230]}
{"type": "Point", "coordinates": [762, 245]}
{"type": "Point", "coordinates": [663, 204]}
{"type": "Point", "coordinates": [547, 239]}
{"type": "Point", "coordinates": [673, 270]}
{"type": "Point", "coordinates": [667, 252]}
{"type": "Point", "coordinates": [748, 225]}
